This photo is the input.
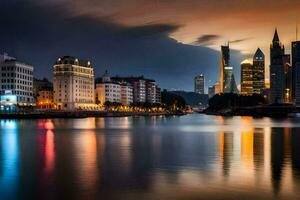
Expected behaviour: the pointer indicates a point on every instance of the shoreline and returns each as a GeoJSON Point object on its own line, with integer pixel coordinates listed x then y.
{"type": "Point", "coordinates": [81, 114]}
{"type": "Point", "coordinates": [274, 111]}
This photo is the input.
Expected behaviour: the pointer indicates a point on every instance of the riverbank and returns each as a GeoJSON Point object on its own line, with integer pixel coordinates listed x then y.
{"type": "Point", "coordinates": [275, 110]}
{"type": "Point", "coordinates": [80, 114]}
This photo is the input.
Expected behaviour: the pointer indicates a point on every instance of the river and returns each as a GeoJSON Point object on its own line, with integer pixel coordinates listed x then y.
{"type": "Point", "coordinates": [182, 157]}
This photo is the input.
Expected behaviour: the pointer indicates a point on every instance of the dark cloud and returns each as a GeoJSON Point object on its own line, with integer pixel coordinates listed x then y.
{"type": "Point", "coordinates": [40, 34]}
{"type": "Point", "coordinates": [207, 39]}
{"type": "Point", "coordinates": [239, 40]}
{"type": "Point", "coordinates": [149, 30]}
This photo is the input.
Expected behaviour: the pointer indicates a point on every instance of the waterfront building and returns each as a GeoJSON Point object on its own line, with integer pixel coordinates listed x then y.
{"type": "Point", "coordinates": [227, 80]}
{"type": "Point", "coordinates": [211, 91]}
{"type": "Point", "coordinates": [258, 72]}
{"type": "Point", "coordinates": [199, 82]}
{"type": "Point", "coordinates": [16, 82]}
{"type": "Point", "coordinates": [158, 95]}
{"type": "Point", "coordinates": [144, 90]}
{"type": "Point", "coordinates": [126, 94]}
{"type": "Point", "coordinates": [108, 90]}
{"type": "Point", "coordinates": [246, 78]}
{"type": "Point", "coordinates": [44, 99]}
{"type": "Point", "coordinates": [296, 71]}
{"type": "Point", "coordinates": [40, 84]}
{"type": "Point", "coordinates": [73, 84]}
{"type": "Point", "coordinates": [276, 70]}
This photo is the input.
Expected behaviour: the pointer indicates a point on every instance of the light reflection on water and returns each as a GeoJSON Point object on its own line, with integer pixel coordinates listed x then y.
{"type": "Point", "coordinates": [188, 157]}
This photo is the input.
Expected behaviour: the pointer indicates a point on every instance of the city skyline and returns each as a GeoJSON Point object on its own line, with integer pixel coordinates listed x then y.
{"type": "Point", "coordinates": [116, 41]}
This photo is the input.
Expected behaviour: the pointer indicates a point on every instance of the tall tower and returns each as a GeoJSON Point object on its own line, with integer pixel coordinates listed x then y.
{"type": "Point", "coordinates": [227, 81]}
{"type": "Point", "coordinates": [276, 70]}
{"type": "Point", "coordinates": [246, 78]}
{"type": "Point", "coordinates": [296, 71]}
{"type": "Point", "coordinates": [258, 71]}
{"type": "Point", "coordinates": [199, 84]}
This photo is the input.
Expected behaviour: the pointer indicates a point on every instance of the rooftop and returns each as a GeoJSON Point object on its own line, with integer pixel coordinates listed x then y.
{"type": "Point", "coordinates": [73, 61]}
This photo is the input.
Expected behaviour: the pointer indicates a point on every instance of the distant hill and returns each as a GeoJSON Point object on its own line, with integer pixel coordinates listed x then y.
{"type": "Point", "coordinates": [192, 98]}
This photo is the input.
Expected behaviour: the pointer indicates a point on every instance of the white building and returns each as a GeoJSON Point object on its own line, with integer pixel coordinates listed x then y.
{"type": "Point", "coordinates": [73, 84]}
{"type": "Point", "coordinates": [16, 78]}
{"type": "Point", "coordinates": [108, 92]}
{"type": "Point", "coordinates": [113, 91]}
{"type": "Point", "coordinates": [126, 94]}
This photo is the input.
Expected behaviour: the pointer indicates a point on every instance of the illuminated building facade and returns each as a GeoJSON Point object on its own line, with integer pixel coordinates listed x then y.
{"type": "Point", "coordinates": [40, 84]}
{"type": "Point", "coordinates": [44, 98]}
{"type": "Point", "coordinates": [287, 93]}
{"type": "Point", "coordinates": [258, 72]}
{"type": "Point", "coordinates": [276, 70]}
{"type": "Point", "coordinates": [73, 84]}
{"type": "Point", "coordinates": [227, 81]}
{"type": "Point", "coordinates": [246, 78]}
{"type": "Point", "coordinates": [199, 84]}
{"type": "Point", "coordinates": [296, 71]}
{"type": "Point", "coordinates": [144, 90]}
{"type": "Point", "coordinates": [17, 79]}
{"type": "Point", "coordinates": [113, 91]}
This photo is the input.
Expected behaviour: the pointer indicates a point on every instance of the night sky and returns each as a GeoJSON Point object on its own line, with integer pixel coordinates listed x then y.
{"type": "Point", "coordinates": [167, 40]}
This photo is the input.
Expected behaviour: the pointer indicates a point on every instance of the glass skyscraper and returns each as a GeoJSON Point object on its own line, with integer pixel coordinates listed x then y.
{"type": "Point", "coordinates": [258, 72]}
{"type": "Point", "coordinates": [227, 81]}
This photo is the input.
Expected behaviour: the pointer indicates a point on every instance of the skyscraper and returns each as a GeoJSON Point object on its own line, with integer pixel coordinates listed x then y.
{"type": "Point", "coordinates": [211, 91]}
{"type": "Point", "coordinates": [276, 70]}
{"type": "Point", "coordinates": [258, 71]}
{"type": "Point", "coordinates": [246, 78]}
{"type": "Point", "coordinates": [287, 93]}
{"type": "Point", "coordinates": [296, 71]}
{"type": "Point", "coordinates": [199, 84]}
{"type": "Point", "coordinates": [227, 81]}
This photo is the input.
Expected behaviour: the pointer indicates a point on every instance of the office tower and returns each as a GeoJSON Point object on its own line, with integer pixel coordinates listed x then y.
{"type": "Point", "coordinates": [211, 91]}
{"type": "Point", "coordinates": [227, 81]}
{"type": "Point", "coordinates": [287, 67]}
{"type": "Point", "coordinates": [246, 78]}
{"type": "Point", "coordinates": [276, 70]}
{"type": "Point", "coordinates": [258, 72]}
{"type": "Point", "coordinates": [16, 82]}
{"type": "Point", "coordinates": [199, 84]}
{"type": "Point", "coordinates": [296, 71]}
{"type": "Point", "coordinates": [73, 84]}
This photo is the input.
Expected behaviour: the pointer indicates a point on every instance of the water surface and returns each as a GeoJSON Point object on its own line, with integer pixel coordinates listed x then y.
{"type": "Point", "coordinates": [187, 157]}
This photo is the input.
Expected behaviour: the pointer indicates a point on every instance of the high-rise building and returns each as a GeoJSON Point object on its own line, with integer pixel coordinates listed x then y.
{"type": "Point", "coordinates": [296, 71]}
{"type": "Point", "coordinates": [16, 80]}
{"type": "Point", "coordinates": [73, 84]}
{"type": "Point", "coordinates": [246, 78]}
{"type": "Point", "coordinates": [287, 80]}
{"type": "Point", "coordinates": [199, 84]}
{"type": "Point", "coordinates": [227, 81]}
{"type": "Point", "coordinates": [276, 70]}
{"type": "Point", "coordinates": [211, 91]}
{"type": "Point", "coordinates": [258, 72]}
